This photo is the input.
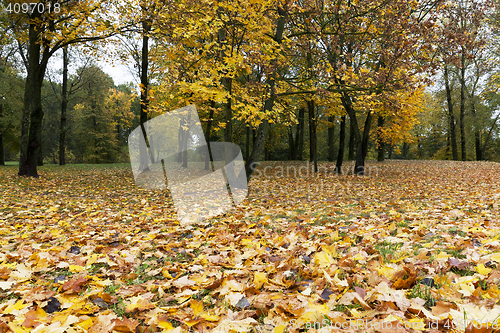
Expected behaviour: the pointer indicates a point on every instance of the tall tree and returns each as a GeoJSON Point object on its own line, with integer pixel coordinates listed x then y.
{"type": "Point", "coordinates": [64, 109]}
{"type": "Point", "coordinates": [451, 116]}
{"type": "Point", "coordinates": [43, 30]}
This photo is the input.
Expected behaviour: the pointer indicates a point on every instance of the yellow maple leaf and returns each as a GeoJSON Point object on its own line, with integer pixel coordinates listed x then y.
{"type": "Point", "coordinates": [197, 306]}
{"type": "Point", "coordinates": [481, 269]}
{"type": "Point", "coordinates": [259, 279]}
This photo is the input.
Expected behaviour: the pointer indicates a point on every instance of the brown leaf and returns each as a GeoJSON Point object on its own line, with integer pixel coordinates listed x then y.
{"type": "Point", "coordinates": [125, 325]}
{"type": "Point", "coordinates": [74, 285]}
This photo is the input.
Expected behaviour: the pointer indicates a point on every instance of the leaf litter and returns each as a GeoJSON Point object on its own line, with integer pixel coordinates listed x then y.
{"type": "Point", "coordinates": [412, 247]}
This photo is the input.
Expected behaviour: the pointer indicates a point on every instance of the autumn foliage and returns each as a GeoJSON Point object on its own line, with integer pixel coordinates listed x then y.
{"type": "Point", "coordinates": [415, 243]}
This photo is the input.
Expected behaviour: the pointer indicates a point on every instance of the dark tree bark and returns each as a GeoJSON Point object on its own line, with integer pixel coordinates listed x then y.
{"type": "Point", "coordinates": [331, 139]}
{"type": "Point", "coordinates": [2, 156]}
{"type": "Point", "coordinates": [462, 106]}
{"type": "Point", "coordinates": [366, 136]}
{"type": "Point", "coordinates": [64, 108]}
{"type": "Point", "coordinates": [362, 141]}
{"type": "Point", "coordinates": [300, 134]}
{"type": "Point", "coordinates": [313, 150]}
{"type": "Point", "coordinates": [247, 143]}
{"type": "Point", "coordinates": [269, 141]}
{"type": "Point", "coordinates": [207, 136]}
{"type": "Point", "coordinates": [352, 140]}
{"type": "Point", "coordinates": [291, 145]}
{"type": "Point", "coordinates": [145, 156]}
{"type": "Point", "coordinates": [39, 160]}
{"type": "Point", "coordinates": [31, 127]}
{"type": "Point", "coordinates": [380, 142]}
{"type": "Point", "coordinates": [269, 103]}
{"type": "Point", "coordinates": [405, 150]}
{"type": "Point", "coordinates": [340, 156]}
{"type": "Point", "coordinates": [451, 117]}
{"type": "Point", "coordinates": [477, 136]}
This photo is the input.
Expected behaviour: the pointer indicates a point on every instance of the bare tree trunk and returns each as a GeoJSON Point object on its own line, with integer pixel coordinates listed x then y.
{"type": "Point", "coordinates": [207, 136]}
{"type": "Point", "coordinates": [451, 117]}
{"type": "Point", "coordinates": [32, 107]}
{"type": "Point", "coordinates": [2, 156]}
{"type": "Point", "coordinates": [366, 135]}
{"type": "Point", "coordinates": [462, 106]}
{"type": "Point", "coordinates": [331, 138]}
{"type": "Point", "coordinates": [380, 142]}
{"type": "Point", "coordinates": [477, 137]}
{"type": "Point", "coordinates": [361, 141]}
{"type": "Point", "coordinates": [64, 108]}
{"type": "Point", "coordinates": [269, 140]}
{"type": "Point", "coordinates": [291, 145]}
{"type": "Point", "coordinates": [313, 151]}
{"type": "Point", "coordinates": [352, 140]}
{"type": "Point", "coordinates": [340, 156]}
{"type": "Point", "coordinates": [300, 134]}
{"type": "Point", "coordinates": [145, 156]}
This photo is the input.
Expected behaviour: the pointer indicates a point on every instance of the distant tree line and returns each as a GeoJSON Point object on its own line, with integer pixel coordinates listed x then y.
{"type": "Point", "coordinates": [295, 80]}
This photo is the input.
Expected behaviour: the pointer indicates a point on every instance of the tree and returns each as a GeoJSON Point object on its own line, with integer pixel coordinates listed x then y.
{"type": "Point", "coordinates": [102, 117]}
{"type": "Point", "coordinates": [42, 30]}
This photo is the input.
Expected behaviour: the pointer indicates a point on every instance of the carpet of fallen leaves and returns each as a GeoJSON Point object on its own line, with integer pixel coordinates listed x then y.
{"type": "Point", "coordinates": [413, 246]}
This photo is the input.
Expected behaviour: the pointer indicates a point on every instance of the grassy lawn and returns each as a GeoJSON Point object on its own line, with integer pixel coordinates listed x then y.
{"type": "Point", "coordinates": [413, 244]}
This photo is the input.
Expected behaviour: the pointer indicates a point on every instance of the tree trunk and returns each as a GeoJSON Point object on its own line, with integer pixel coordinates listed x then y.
{"type": "Point", "coordinates": [362, 141]}
{"type": "Point", "coordinates": [183, 140]}
{"type": "Point", "coordinates": [477, 137]}
{"type": "Point", "coordinates": [180, 139]}
{"type": "Point", "coordinates": [291, 145]}
{"type": "Point", "coordinates": [453, 136]}
{"type": "Point", "coordinates": [405, 150]}
{"type": "Point", "coordinates": [340, 156]}
{"type": "Point", "coordinates": [145, 156]}
{"type": "Point", "coordinates": [352, 140]}
{"type": "Point", "coordinates": [247, 143]}
{"type": "Point", "coordinates": [313, 151]}
{"type": "Point", "coordinates": [228, 112]}
{"type": "Point", "coordinates": [2, 156]}
{"type": "Point", "coordinates": [269, 142]}
{"type": "Point", "coordinates": [380, 142]}
{"type": "Point", "coordinates": [331, 139]}
{"type": "Point", "coordinates": [366, 136]}
{"type": "Point", "coordinates": [488, 136]}
{"type": "Point", "coordinates": [207, 136]}
{"type": "Point", "coordinates": [32, 101]}
{"type": "Point", "coordinates": [462, 106]}
{"type": "Point", "coordinates": [64, 108]}
{"type": "Point", "coordinates": [299, 142]}
{"type": "Point", "coordinates": [269, 103]}
{"type": "Point", "coordinates": [35, 126]}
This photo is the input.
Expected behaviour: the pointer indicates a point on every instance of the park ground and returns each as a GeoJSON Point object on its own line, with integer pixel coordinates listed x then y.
{"type": "Point", "coordinates": [412, 246]}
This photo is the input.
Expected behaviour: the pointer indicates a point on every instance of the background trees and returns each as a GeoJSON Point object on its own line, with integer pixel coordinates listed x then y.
{"type": "Point", "coordinates": [295, 80]}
